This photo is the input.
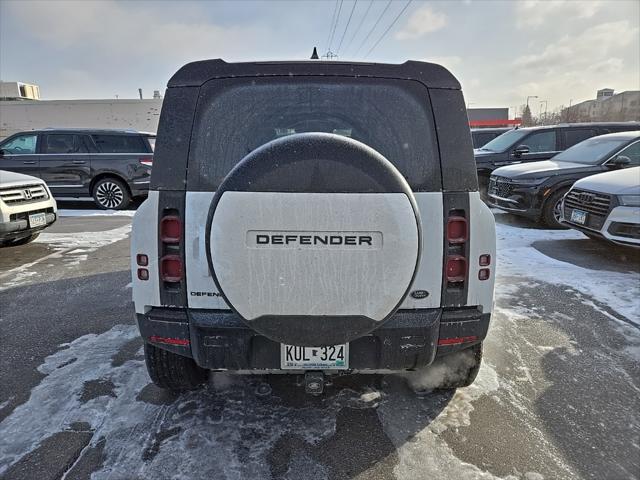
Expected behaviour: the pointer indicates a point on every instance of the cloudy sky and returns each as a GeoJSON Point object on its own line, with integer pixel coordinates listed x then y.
{"type": "Point", "coordinates": [501, 51]}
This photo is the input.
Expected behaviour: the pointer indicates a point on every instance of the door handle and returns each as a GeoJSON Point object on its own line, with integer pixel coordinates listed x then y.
{"type": "Point", "coordinates": [29, 163]}
{"type": "Point", "coordinates": [78, 162]}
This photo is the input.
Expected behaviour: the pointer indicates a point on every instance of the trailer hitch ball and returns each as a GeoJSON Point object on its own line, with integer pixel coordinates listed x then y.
{"type": "Point", "coordinates": [314, 383]}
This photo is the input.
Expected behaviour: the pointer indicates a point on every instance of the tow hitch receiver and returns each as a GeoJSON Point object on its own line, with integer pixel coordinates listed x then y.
{"type": "Point", "coordinates": [314, 383]}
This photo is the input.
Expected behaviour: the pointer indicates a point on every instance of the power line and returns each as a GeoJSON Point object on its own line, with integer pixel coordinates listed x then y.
{"type": "Point", "coordinates": [333, 18]}
{"type": "Point", "coordinates": [359, 26]}
{"type": "Point", "coordinates": [335, 25]}
{"type": "Point", "coordinates": [389, 28]}
{"type": "Point", "coordinates": [347, 27]}
{"type": "Point", "coordinates": [373, 28]}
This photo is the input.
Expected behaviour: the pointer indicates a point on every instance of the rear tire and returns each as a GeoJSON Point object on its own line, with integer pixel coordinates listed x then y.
{"type": "Point", "coordinates": [172, 371]}
{"type": "Point", "coordinates": [111, 193]}
{"type": "Point", "coordinates": [551, 210]}
{"type": "Point", "coordinates": [456, 370]}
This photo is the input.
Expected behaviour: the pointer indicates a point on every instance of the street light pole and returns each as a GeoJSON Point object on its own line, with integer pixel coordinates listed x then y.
{"type": "Point", "coordinates": [545, 110]}
{"type": "Point", "coordinates": [530, 96]}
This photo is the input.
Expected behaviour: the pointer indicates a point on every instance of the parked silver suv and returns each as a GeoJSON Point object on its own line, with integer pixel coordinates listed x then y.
{"type": "Point", "coordinates": [26, 208]}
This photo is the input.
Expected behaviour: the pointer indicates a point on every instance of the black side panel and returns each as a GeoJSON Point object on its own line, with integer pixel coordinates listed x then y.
{"type": "Point", "coordinates": [174, 136]}
{"type": "Point", "coordinates": [454, 204]}
{"type": "Point", "coordinates": [454, 139]}
{"type": "Point", "coordinates": [172, 294]}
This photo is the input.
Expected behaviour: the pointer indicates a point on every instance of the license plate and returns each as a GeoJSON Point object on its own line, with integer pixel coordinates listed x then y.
{"type": "Point", "coordinates": [37, 220]}
{"type": "Point", "coordinates": [578, 216]}
{"type": "Point", "coordinates": [333, 357]}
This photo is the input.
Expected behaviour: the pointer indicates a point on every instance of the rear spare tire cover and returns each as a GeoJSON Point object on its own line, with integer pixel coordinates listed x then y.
{"type": "Point", "coordinates": [314, 239]}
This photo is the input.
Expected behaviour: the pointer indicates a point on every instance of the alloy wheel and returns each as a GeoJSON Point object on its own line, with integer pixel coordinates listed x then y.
{"type": "Point", "coordinates": [109, 194]}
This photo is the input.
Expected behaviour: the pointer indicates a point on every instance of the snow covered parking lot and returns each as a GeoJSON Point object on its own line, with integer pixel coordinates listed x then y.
{"type": "Point", "coordinates": [558, 395]}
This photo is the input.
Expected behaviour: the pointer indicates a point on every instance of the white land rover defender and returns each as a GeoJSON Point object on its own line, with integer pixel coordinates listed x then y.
{"type": "Point", "coordinates": [312, 217]}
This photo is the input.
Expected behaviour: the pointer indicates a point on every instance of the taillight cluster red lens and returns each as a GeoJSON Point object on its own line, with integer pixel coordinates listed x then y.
{"type": "Point", "coordinates": [456, 268]}
{"type": "Point", "coordinates": [146, 161]}
{"type": "Point", "coordinates": [170, 229]}
{"type": "Point", "coordinates": [171, 268]}
{"type": "Point", "coordinates": [457, 230]}
{"type": "Point", "coordinates": [484, 261]}
{"type": "Point", "coordinates": [457, 235]}
{"type": "Point", "coordinates": [143, 261]}
{"type": "Point", "coordinates": [171, 265]}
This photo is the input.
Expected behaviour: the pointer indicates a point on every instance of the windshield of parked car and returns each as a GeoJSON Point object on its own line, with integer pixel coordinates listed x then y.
{"type": "Point", "coordinates": [505, 141]}
{"type": "Point", "coordinates": [593, 151]}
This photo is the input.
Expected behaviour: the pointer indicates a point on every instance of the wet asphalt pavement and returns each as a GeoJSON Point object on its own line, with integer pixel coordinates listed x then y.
{"type": "Point", "coordinates": [557, 396]}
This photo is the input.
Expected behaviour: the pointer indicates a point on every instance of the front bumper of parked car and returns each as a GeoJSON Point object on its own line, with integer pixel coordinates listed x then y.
{"type": "Point", "coordinates": [507, 195]}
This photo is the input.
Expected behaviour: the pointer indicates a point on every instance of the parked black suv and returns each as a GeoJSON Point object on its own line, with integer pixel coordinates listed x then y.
{"type": "Point", "coordinates": [532, 144]}
{"type": "Point", "coordinates": [112, 166]}
{"type": "Point", "coordinates": [535, 190]}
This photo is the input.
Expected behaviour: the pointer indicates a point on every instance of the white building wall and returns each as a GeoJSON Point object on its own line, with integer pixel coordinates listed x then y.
{"type": "Point", "coordinates": [24, 115]}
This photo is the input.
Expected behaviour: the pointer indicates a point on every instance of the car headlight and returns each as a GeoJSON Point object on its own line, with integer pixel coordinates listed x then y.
{"type": "Point", "coordinates": [529, 181]}
{"type": "Point", "coordinates": [629, 200]}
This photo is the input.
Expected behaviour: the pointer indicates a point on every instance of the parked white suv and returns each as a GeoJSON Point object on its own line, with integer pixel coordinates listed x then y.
{"type": "Point", "coordinates": [26, 208]}
{"type": "Point", "coordinates": [606, 205]}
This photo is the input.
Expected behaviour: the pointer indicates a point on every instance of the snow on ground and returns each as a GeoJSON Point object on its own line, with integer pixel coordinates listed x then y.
{"type": "Point", "coordinates": [73, 248]}
{"type": "Point", "coordinates": [204, 434]}
{"type": "Point", "coordinates": [517, 257]}
{"type": "Point", "coordinates": [69, 212]}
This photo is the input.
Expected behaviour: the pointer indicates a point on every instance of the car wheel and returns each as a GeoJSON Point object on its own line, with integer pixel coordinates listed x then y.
{"type": "Point", "coordinates": [456, 370]}
{"type": "Point", "coordinates": [111, 193]}
{"type": "Point", "coordinates": [20, 241]}
{"type": "Point", "coordinates": [551, 211]}
{"type": "Point", "coordinates": [172, 371]}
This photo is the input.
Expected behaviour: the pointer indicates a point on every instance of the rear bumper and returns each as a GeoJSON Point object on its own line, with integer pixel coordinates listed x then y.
{"type": "Point", "coordinates": [220, 340]}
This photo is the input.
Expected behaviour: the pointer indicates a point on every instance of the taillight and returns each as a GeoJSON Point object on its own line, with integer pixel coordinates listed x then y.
{"type": "Point", "coordinates": [457, 340]}
{"type": "Point", "coordinates": [457, 230]}
{"type": "Point", "coordinates": [456, 268]}
{"type": "Point", "coordinates": [170, 229]}
{"type": "Point", "coordinates": [146, 161]}
{"type": "Point", "coordinates": [171, 268]}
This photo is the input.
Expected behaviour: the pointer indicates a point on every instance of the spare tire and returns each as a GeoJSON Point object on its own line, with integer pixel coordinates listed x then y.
{"type": "Point", "coordinates": [314, 239]}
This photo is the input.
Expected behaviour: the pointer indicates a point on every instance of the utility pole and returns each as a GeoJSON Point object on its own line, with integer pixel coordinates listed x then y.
{"type": "Point", "coordinates": [545, 110]}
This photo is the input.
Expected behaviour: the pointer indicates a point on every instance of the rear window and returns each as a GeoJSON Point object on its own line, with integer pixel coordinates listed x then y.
{"type": "Point", "coordinates": [234, 118]}
{"type": "Point", "coordinates": [109, 143]}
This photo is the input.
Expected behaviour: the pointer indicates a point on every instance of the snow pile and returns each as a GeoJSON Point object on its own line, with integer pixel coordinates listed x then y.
{"type": "Point", "coordinates": [518, 257]}
{"type": "Point", "coordinates": [69, 212]}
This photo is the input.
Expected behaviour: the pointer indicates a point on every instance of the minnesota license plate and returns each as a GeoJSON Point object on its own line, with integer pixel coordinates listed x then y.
{"type": "Point", "coordinates": [37, 220]}
{"type": "Point", "coordinates": [333, 357]}
{"type": "Point", "coordinates": [578, 216]}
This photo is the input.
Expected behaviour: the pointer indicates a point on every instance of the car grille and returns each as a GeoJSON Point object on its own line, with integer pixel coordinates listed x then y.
{"type": "Point", "coordinates": [25, 215]}
{"type": "Point", "coordinates": [500, 187]}
{"type": "Point", "coordinates": [23, 194]}
{"type": "Point", "coordinates": [596, 204]}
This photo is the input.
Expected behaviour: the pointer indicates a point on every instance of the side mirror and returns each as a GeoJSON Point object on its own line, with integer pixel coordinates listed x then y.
{"type": "Point", "coordinates": [520, 150]}
{"type": "Point", "coordinates": [621, 161]}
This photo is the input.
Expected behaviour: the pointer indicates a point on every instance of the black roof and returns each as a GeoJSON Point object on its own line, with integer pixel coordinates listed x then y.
{"type": "Point", "coordinates": [197, 73]}
{"type": "Point", "coordinates": [584, 124]}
